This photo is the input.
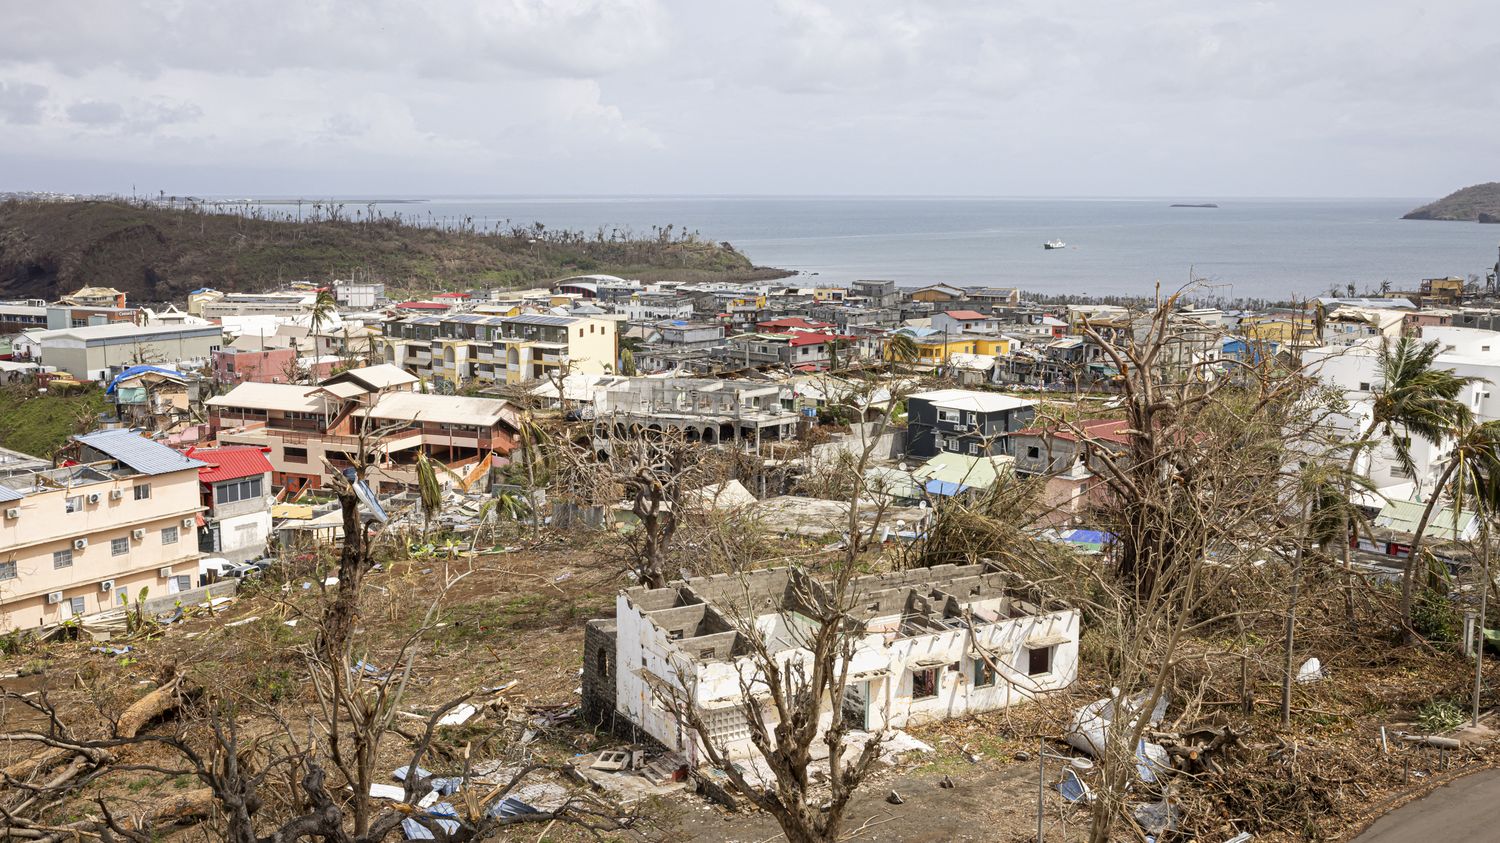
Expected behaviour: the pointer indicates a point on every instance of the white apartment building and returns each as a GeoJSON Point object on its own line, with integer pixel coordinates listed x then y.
{"type": "Point", "coordinates": [77, 540]}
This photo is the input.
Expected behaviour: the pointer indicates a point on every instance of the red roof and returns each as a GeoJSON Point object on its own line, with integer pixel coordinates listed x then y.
{"type": "Point", "coordinates": [966, 315]}
{"type": "Point", "coordinates": [229, 463]}
{"type": "Point", "coordinates": [452, 296]}
{"type": "Point", "coordinates": [422, 305]}
{"type": "Point", "coordinates": [791, 322]}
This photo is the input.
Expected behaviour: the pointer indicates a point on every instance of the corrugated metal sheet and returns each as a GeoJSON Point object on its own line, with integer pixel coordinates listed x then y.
{"type": "Point", "coordinates": [137, 452]}
{"type": "Point", "coordinates": [7, 494]}
{"type": "Point", "coordinates": [230, 463]}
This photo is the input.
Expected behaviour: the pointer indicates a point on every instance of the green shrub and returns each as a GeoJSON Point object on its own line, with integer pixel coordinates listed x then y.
{"type": "Point", "coordinates": [1434, 618]}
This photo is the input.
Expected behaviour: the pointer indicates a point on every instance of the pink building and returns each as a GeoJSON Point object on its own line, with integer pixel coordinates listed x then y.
{"type": "Point", "coordinates": [272, 365]}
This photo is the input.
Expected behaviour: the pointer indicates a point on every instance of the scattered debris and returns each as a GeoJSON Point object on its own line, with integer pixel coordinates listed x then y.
{"type": "Point", "coordinates": [1072, 787]}
{"type": "Point", "coordinates": [611, 760]}
{"type": "Point", "coordinates": [110, 651]}
{"type": "Point", "coordinates": [459, 715]}
{"type": "Point", "coordinates": [1310, 671]}
{"type": "Point", "coordinates": [895, 798]}
{"type": "Point", "coordinates": [243, 621]}
{"type": "Point", "coordinates": [1089, 729]}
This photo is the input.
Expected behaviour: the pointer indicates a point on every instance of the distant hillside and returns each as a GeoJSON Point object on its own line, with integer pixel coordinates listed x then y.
{"type": "Point", "coordinates": [1479, 203]}
{"type": "Point", "coordinates": [157, 253]}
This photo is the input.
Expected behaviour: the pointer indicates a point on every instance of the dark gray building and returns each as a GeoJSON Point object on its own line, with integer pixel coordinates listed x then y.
{"type": "Point", "coordinates": [961, 421]}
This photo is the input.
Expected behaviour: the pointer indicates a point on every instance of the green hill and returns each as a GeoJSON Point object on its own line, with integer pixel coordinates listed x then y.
{"type": "Point", "coordinates": [1477, 203]}
{"type": "Point", "coordinates": [157, 253]}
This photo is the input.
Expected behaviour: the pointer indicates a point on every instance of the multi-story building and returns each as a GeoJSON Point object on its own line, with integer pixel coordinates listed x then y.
{"type": "Point", "coordinates": [962, 421]}
{"type": "Point", "coordinates": [257, 304]}
{"type": "Point", "coordinates": [79, 539]}
{"type": "Point", "coordinates": [877, 294]}
{"type": "Point", "coordinates": [235, 485]}
{"type": "Point", "coordinates": [473, 347]}
{"type": "Point", "coordinates": [95, 297]}
{"type": "Point", "coordinates": [93, 352]}
{"type": "Point", "coordinates": [308, 432]}
{"type": "Point", "coordinates": [705, 409]}
{"type": "Point", "coordinates": [358, 295]}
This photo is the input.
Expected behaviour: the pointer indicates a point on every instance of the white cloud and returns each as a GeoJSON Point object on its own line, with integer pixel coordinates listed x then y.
{"type": "Point", "coordinates": [799, 96]}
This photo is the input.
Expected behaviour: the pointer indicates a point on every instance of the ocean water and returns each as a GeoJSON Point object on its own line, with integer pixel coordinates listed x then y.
{"type": "Point", "coordinates": [1245, 248]}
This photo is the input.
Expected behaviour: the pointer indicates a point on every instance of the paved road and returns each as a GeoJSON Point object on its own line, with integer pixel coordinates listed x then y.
{"type": "Point", "coordinates": [1465, 810]}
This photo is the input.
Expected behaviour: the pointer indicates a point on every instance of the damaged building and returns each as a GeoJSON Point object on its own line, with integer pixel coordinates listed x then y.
{"type": "Point", "coordinates": [935, 643]}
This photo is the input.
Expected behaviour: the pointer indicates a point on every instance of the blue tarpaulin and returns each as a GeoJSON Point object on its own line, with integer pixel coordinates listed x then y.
{"type": "Point", "coordinates": [136, 370]}
{"type": "Point", "coordinates": [944, 488]}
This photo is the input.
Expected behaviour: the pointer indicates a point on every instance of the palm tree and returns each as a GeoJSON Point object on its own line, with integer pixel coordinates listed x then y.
{"type": "Point", "coordinates": [323, 309]}
{"type": "Point", "coordinates": [901, 348]}
{"type": "Point", "coordinates": [1411, 395]}
{"type": "Point", "coordinates": [1468, 480]}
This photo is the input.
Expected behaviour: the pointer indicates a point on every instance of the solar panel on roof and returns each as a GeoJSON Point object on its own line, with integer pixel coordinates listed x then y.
{"type": "Point", "coordinates": [538, 319]}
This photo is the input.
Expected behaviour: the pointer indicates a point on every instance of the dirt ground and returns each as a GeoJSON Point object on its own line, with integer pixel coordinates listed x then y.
{"type": "Point", "coordinates": [519, 615]}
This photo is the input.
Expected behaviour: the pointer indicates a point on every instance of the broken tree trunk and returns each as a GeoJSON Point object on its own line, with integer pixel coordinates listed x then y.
{"type": "Point", "coordinates": [160, 701]}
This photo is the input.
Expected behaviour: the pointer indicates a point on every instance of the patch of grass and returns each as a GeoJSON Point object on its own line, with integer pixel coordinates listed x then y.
{"type": "Point", "coordinates": [40, 424]}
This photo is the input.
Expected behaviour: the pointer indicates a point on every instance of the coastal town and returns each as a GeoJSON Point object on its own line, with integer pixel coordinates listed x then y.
{"type": "Point", "coordinates": [865, 518]}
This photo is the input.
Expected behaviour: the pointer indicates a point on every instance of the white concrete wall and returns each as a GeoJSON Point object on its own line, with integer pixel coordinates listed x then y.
{"type": "Point", "coordinates": [643, 650]}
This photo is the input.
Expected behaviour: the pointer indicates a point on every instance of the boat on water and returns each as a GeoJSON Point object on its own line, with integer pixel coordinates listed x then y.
{"type": "Point", "coordinates": [1054, 244]}
{"type": "Point", "coordinates": [1194, 205]}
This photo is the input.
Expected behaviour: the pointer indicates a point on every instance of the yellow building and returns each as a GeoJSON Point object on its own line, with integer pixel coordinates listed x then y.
{"type": "Point", "coordinates": [1286, 330]}
{"type": "Point", "coordinates": [935, 348]}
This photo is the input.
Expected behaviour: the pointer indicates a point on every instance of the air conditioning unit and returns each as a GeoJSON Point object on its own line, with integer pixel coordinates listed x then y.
{"type": "Point", "coordinates": [116, 494]}
{"type": "Point", "coordinates": [138, 534]}
{"type": "Point", "coordinates": [107, 585]}
{"type": "Point", "coordinates": [188, 523]}
{"type": "Point", "coordinates": [54, 597]}
{"type": "Point", "coordinates": [164, 572]}
{"type": "Point", "coordinates": [80, 544]}
{"type": "Point", "coordinates": [13, 512]}
{"type": "Point", "coordinates": [95, 497]}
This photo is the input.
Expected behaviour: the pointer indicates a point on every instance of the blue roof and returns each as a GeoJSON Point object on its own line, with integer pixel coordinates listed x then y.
{"type": "Point", "coordinates": [137, 452]}
{"type": "Point", "coordinates": [945, 488]}
{"type": "Point", "coordinates": [1089, 537]}
{"type": "Point", "coordinates": [136, 370]}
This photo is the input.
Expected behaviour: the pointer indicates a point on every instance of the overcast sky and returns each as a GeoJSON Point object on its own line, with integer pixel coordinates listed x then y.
{"type": "Point", "coordinates": [1105, 98]}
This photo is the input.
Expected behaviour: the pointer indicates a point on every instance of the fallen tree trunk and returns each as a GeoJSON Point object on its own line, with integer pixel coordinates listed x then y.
{"type": "Point", "coordinates": [160, 701]}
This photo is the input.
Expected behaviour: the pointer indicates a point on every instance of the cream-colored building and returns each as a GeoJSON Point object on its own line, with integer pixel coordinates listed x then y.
{"type": "Point", "coordinates": [472, 347]}
{"type": "Point", "coordinates": [77, 540]}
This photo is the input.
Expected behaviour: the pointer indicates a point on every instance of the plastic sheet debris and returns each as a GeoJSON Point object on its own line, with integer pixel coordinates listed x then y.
{"type": "Point", "coordinates": [399, 774]}
{"type": "Point", "coordinates": [416, 829]}
{"type": "Point", "coordinates": [458, 715]}
{"type": "Point", "coordinates": [110, 651]}
{"type": "Point", "coordinates": [368, 671]}
{"type": "Point", "coordinates": [1090, 727]}
{"type": "Point", "coordinates": [388, 791]}
{"type": "Point", "coordinates": [1156, 818]}
{"type": "Point", "coordinates": [243, 621]}
{"type": "Point", "coordinates": [1072, 787]}
{"type": "Point", "coordinates": [510, 806]}
{"type": "Point", "coordinates": [1151, 759]}
{"type": "Point", "coordinates": [1310, 671]}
